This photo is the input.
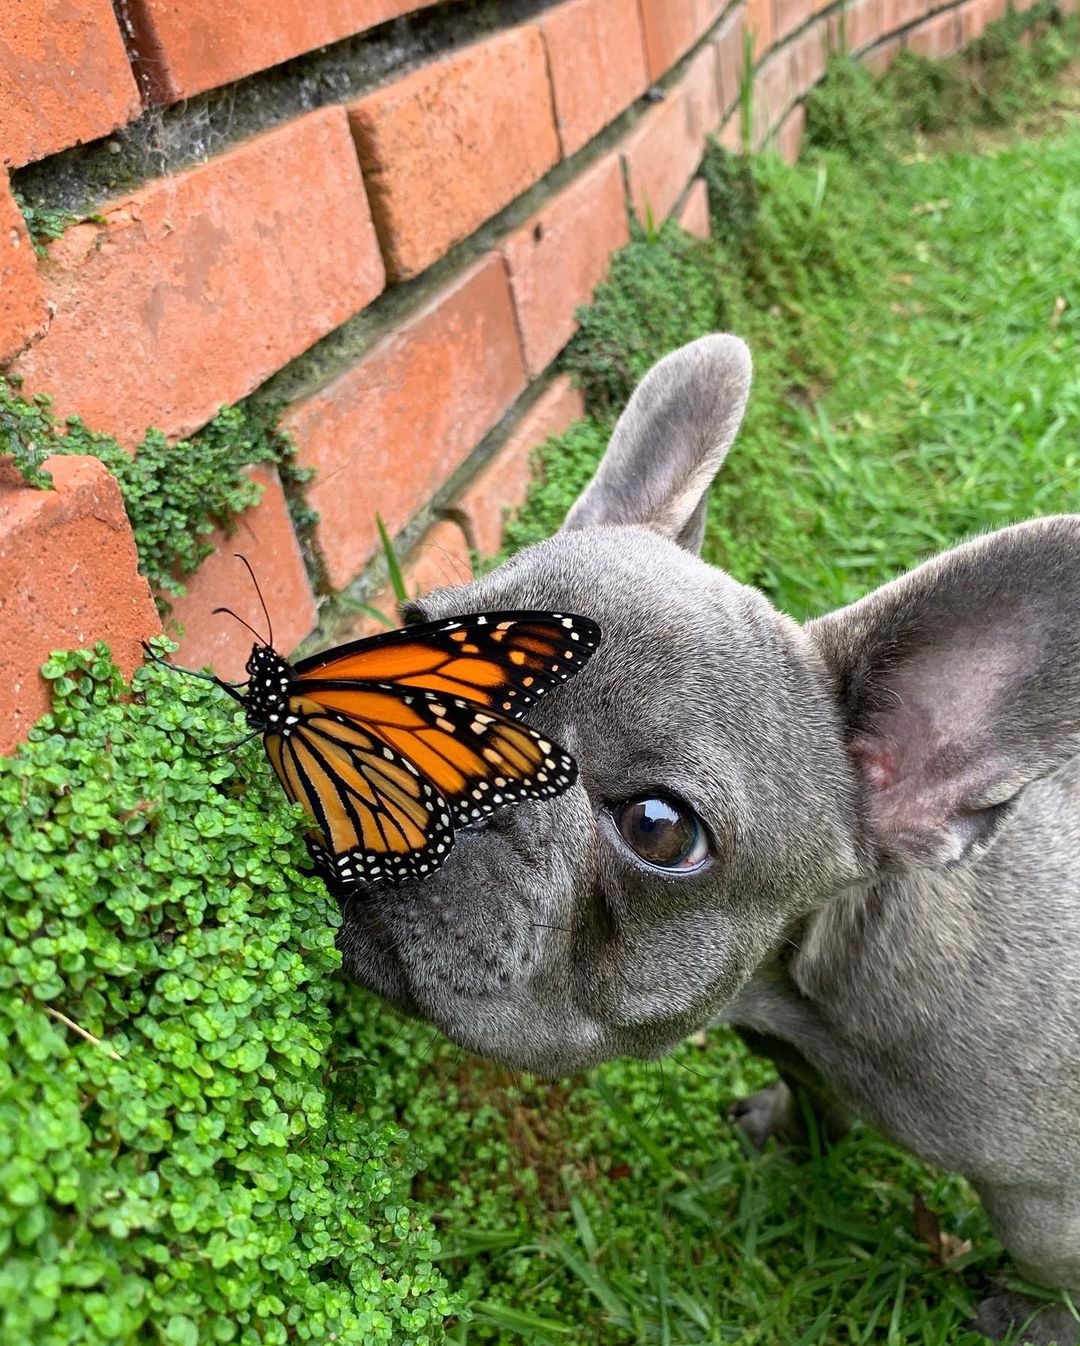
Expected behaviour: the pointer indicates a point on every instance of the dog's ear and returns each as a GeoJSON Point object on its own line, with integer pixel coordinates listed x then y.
{"type": "Point", "coordinates": [959, 685]}
{"type": "Point", "coordinates": [670, 441]}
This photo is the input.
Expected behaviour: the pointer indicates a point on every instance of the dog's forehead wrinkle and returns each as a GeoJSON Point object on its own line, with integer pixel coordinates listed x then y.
{"type": "Point", "coordinates": [647, 595]}
{"type": "Point", "coordinates": [610, 574]}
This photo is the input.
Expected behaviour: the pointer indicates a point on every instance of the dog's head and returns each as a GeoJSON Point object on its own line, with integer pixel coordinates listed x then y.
{"type": "Point", "coordinates": [736, 769]}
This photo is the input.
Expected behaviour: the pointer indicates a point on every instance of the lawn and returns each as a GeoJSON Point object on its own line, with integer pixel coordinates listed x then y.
{"type": "Point", "coordinates": [913, 304]}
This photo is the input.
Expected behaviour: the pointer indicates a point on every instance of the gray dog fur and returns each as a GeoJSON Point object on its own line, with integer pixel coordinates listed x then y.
{"type": "Point", "coordinates": [892, 900]}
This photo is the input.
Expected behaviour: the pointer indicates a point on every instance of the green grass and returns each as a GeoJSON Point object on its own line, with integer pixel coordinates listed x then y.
{"type": "Point", "coordinates": [917, 380]}
{"type": "Point", "coordinates": [954, 394]}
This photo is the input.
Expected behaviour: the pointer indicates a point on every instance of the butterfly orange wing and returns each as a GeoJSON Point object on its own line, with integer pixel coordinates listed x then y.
{"type": "Point", "coordinates": [474, 758]}
{"type": "Point", "coordinates": [502, 660]}
{"type": "Point", "coordinates": [373, 815]}
{"type": "Point", "coordinates": [395, 740]}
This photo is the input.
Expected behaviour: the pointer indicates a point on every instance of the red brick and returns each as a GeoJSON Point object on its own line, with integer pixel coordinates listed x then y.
{"type": "Point", "coordinates": [265, 536]}
{"type": "Point", "coordinates": [502, 484]}
{"type": "Point", "coordinates": [759, 19]}
{"type": "Point", "coordinates": [672, 27]}
{"type": "Point", "coordinates": [68, 577]}
{"type": "Point", "coordinates": [663, 150]}
{"type": "Point", "coordinates": [207, 282]}
{"type": "Point", "coordinates": [448, 146]}
{"type": "Point", "coordinates": [22, 298]}
{"type": "Point", "coordinates": [360, 625]}
{"type": "Point", "coordinates": [883, 56]}
{"type": "Point", "coordinates": [560, 254]}
{"type": "Point", "coordinates": [937, 37]}
{"type": "Point", "coordinates": [789, 15]}
{"type": "Point", "coordinates": [731, 136]}
{"type": "Point", "coordinates": [976, 16]}
{"type": "Point", "coordinates": [730, 57]}
{"type": "Point", "coordinates": [183, 49]}
{"type": "Point", "coordinates": [972, 20]}
{"type": "Point", "coordinates": [390, 430]}
{"type": "Point", "coordinates": [64, 76]}
{"type": "Point", "coordinates": [694, 212]}
{"type": "Point", "coordinates": [899, 13]}
{"type": "Point", "coordinates": [862, 24]}
{"type": "Point", "coordinates": [701, 82]}
{"type": "Point", "coordinates": [789, 136]}
{"type": "Point", "coordinates": [773, 92]}
{"type": "Point", "coordinates": [809, 52]}
{"type": "Point", "coordinates": [440, 560]}
{"type": "Point", "coordinates": [596, 57]}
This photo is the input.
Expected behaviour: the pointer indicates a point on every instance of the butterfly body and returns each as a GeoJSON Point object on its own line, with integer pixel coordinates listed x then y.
{"type": "Point", "coordinates": [266, 700]}
{"type": "Point", "coordinates": [390, 743]}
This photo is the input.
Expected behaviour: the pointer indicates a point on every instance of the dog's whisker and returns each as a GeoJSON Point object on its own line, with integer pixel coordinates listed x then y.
{"type": "Point", "coordinates": [431, 1043]}
{"type": "Point", "coordinates": [659, 1097]}
{"type": "Point", "coordinates": [690, 1069]}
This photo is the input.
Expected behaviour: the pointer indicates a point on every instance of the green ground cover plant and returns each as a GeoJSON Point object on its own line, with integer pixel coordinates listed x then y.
{"type": "Point", "coordinates": [44, 225]}
{"type": "Point", "coordinates": [205, 1135]}
{"type": "Point", "coordinates": [178, 1162]}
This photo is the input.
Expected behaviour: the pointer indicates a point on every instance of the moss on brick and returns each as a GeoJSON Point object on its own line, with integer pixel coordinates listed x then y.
{"type": "Point", "coordinates": [44, 224]}
{"type": "Point", "coordinates": [176, 495]}
{"type": "Point", "coordinates": [632, 320]}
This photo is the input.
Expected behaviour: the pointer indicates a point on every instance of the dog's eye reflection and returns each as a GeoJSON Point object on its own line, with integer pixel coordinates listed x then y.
{"type": "Point", "coordinates": [662, 831]}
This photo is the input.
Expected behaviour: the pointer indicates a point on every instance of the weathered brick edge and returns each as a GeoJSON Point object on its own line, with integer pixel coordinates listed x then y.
{"type": "Point", "coordinates": [68, 577]}
{"type": "Point", "coordinates": [196, 287]}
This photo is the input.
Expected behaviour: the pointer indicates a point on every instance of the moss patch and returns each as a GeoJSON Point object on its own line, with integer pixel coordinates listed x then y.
{"type": "Point", "coordinates": [176, 495]}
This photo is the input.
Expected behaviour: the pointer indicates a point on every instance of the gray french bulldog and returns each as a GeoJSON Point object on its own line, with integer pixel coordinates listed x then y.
{"type": "Point", "coordinates": [857, 840]}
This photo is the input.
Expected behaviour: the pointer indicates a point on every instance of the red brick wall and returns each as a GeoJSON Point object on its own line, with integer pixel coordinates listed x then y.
{"type": "Point", "coordinates": [464, 202]}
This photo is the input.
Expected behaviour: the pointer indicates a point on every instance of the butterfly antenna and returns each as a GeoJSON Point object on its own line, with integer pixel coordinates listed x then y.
{"type": "Point", "coordinates": [232, 747]}
{"type": "Point", "coordinates": [191, 673]}
{"type": "Point", "coordinates": [229, 612]}
{"type": "Point", "coordinates": [266, 614]}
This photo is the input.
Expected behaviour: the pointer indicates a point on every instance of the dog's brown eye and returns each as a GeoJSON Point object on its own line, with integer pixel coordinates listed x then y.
{"type": "Point", "coordinates": [662, 831]}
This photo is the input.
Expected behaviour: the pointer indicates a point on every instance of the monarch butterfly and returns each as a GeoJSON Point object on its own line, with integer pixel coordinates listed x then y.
{"type": "Point", "coordinates": [391, 742]}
